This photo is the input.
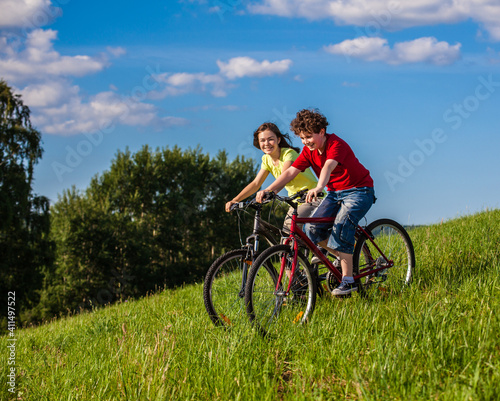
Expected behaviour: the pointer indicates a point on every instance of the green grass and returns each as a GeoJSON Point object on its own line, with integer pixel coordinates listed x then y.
{"type": "Point", "coordinates": [437, 341]}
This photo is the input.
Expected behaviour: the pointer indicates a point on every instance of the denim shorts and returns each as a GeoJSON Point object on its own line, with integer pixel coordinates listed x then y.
{"type": "Point", "coordinates": [349, 207]}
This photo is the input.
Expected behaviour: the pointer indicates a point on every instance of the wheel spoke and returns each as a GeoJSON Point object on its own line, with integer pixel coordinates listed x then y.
{"type": "Point", "coordinates": [269, 309]}
{"type": "Point", "coordinates": [222, 292]}
{"type": "Point", "coordinates": [394, 251]}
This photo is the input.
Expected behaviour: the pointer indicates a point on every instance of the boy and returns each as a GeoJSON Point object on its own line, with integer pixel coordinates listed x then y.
{"type": "Point", "coordinates": [349, 184]}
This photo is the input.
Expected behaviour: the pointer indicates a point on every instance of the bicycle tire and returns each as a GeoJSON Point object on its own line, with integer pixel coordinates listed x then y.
{"type": "Point", "coordinates": [223, 288]}
{"type": "Point", "coordinates": [266, 309]}
{"type": "Point", "coordinates": [395, 243]}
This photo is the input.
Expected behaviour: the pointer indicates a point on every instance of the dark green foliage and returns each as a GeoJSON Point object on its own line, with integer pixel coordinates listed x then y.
{"type": "Point", "coordinates": [26, 252]}
{"type": "Point", "coordinates": [156, 219]}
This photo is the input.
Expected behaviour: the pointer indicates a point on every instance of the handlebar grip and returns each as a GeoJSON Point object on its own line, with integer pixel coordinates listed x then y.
{"type": "Point", "coordinates": [238, 205]}
{"type": "Point", "coordinates": [304, 194]}
{"type": "Point", "coordinates": [268, 196]}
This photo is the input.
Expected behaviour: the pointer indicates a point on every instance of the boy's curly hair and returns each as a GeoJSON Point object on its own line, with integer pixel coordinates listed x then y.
{"type": "Point", "coordinates": [308, 120]}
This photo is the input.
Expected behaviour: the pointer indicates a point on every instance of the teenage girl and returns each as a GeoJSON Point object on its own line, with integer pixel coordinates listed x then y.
{"type": "Point", "coordinates": [278, 156]}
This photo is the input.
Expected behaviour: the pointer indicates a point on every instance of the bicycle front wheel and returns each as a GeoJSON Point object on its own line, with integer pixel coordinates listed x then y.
{"type": "Point", "coordinates": [224, 288]}
{"type": "Point", "coordinates": [269, 306]}
{"type": "Point", "coordinates": [390, 242]}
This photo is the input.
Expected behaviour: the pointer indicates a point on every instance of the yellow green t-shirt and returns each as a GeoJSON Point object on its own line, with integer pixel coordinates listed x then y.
{"type": "Point", "coordinates": [305, 179]}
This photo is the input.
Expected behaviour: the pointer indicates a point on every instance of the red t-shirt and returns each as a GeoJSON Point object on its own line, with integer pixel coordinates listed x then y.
{"type": "Point", "coordinates": [349, 173]}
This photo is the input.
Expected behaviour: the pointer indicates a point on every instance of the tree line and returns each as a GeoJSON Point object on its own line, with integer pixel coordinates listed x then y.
{"type": "Point", "coordinates": [155, 219]}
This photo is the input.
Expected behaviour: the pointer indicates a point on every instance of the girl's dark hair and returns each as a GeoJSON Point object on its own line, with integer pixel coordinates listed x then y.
{"type": "Point", "coordinates": [285, 141]}
{"type": "Point", "coordinates": [308, 120]}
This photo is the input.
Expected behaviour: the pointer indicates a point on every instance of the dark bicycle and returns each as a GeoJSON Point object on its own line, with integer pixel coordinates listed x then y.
{"type": "Point", "coordinates": [224, 285]}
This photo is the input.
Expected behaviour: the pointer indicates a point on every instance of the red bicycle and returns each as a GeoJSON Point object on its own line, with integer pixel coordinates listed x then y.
{"type": "Point", "coordinates": [282, 284]}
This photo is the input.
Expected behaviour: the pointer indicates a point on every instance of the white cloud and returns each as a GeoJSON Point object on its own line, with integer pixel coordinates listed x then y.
{"type": "Point", "coordinates": [239, 67]}
{"type": "Point", "coordinates": [38, 60]}
{"type": "Point", "coordinates": [218, 84]}
{"type": "Point", "coordinates": [350, 84]}
{"type": "Point", "coordinates": [427, 50]}
{"type": "Point", "coordinates": [376, 15]}
{"type": "Point", "coordinates": [48, 94]}
{"type": "Point", "coordinates": [183, 83]}
{"type": "Point", "coordinates": [369, 49]}
{"type": "Point", "coordinates": [116, 51]}
{"type": "Point", "coordinates": [422, 50]}
{"type": "Point", "coordinates": [75, 115]}
{"type": "Point", "coordinates": [43, 77]}
{"type": "Point", "coordinates": [27, 13]}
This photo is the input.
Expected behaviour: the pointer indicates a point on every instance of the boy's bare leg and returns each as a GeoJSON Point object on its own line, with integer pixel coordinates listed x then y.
{"type": "Point", "coordinates": [345, 259]}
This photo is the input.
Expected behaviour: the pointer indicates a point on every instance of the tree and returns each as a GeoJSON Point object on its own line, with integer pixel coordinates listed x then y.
{"type": "Point", "coordinates": [25, 249]}
{"type": "Point", "coordinates": [155, 219]}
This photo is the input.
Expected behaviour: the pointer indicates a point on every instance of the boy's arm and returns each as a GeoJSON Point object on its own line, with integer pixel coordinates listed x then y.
{"type": "Point", "coordinates": [286, 165]}
{"type": "Point", "coordinates": [323, 179]}
{"type": "Point", "coordinates": [286, 176]}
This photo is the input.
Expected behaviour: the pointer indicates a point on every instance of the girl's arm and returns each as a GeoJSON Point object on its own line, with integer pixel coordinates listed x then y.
{"type": "Point", "coordinates": [323, 179]}
{"type": "Point", "coordinates": [286, 176]}
{"type": "Point", "coordinates": [249, 189]}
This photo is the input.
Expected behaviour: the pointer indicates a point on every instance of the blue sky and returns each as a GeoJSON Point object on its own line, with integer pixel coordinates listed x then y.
{"type": "Point", "coordinates": [413, 88]}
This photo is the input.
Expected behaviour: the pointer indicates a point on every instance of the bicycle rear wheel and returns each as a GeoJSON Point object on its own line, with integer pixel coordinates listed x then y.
{"type": "Point", "coordinates": [268, 304]}
{"type": "Point", "coordinates": [224, 288]}
{"type": "Point", "coordinates": [395, 244]}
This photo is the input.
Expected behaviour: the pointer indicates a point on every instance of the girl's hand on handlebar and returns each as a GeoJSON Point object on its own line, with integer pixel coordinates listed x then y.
{"type": "Point", "coordinates": [229, 204]}
{"type": "Point", "coordinates": [313, 194]}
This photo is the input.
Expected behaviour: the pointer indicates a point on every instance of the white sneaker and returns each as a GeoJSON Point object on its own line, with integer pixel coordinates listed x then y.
{"type": "Point", "coordinates": [316, 260]}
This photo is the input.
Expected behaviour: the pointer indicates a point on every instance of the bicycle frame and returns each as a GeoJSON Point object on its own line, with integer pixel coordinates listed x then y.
{"type": "Point", "coordinates": [260, 227]}
{"type": "Point", "coordinates": [297, 234]}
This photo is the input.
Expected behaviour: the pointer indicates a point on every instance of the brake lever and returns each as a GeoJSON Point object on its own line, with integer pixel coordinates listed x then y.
{"type": "Point", "coordinates": [237, 205]}
{"type": "Point", "coordinates": [268, 196]}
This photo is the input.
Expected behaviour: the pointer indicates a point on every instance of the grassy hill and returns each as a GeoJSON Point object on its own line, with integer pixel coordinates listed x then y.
{"type": "Point", "coordinates": [438, 340]}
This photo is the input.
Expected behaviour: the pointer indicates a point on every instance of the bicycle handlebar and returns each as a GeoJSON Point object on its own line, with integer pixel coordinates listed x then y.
{"type": "Point", "coordinates": [244, 204]}
{"type": "Point", "coordinates": [269, 196]}
{"type": "Point", "coordinates": [291, 200]}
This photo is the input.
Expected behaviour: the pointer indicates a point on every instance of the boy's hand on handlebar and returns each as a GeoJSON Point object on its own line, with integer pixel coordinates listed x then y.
{"type": "Point", "coordinates": [262, 196]}
{"type": "Point", "coordinates": [313, 194]}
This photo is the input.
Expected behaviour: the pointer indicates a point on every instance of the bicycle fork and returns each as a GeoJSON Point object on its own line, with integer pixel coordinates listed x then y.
{"type": "Point", "coordinates": [247, 262]}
